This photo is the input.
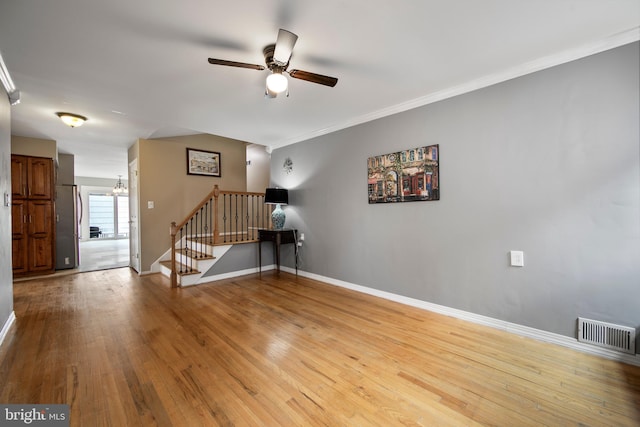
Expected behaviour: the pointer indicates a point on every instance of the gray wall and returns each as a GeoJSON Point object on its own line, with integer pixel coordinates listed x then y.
{"type": "Point", "coordinates": [243, 257]}
{"type": "Point", "coordinates": [65, 169]}
{"type": "Point", "coordinates": [6, 274]}
{"type": "Point", "coordinates": [548, 163]}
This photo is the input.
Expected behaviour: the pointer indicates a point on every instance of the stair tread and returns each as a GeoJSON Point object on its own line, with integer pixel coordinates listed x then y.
{"type": "Point", "coordinates": [194, 254]}
{"type": "Point", "coordinates": [206, 240]}
{"type": "Point", "coordinates": [180, 267]}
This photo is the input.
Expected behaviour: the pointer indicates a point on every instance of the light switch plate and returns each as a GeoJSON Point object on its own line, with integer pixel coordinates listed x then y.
{"type": "Point", "coordinates": [150, 204]}
{"type": "Point", "coordinates": [517, 258]}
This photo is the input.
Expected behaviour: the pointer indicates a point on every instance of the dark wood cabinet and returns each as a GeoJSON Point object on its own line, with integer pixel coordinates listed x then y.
{"type": "Point", "coordinates": [31, 178]}
{"type": "Point", "coordinates": [19, 166]}
{"type": "Point", "coordinates": [19, 223]}
{"type": "Point", "coordinates": [32, 215]}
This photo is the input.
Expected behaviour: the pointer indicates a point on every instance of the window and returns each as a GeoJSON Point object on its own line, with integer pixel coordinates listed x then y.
{"type": "Point", "coordinates": [110, 214]}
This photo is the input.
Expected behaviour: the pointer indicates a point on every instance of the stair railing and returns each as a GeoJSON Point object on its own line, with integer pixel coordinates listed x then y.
{"type": "Point", "coordinates": [221, 218]}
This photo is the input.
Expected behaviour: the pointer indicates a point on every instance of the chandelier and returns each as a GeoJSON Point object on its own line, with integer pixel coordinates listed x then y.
{"type": "Point", "coordinates": [119, 188]}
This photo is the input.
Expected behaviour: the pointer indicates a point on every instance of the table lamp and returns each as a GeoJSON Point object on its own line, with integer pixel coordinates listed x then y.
{"type": "Point", "coordinates": [278, 197]}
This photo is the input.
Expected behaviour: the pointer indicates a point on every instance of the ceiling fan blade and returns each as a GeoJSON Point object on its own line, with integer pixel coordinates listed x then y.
{"type": "Point", "coordinates": [313, 77]}
{"type": "Point", "coordinates": [235, 64]}
{"type": "Point", "coordinates": [284, 46]}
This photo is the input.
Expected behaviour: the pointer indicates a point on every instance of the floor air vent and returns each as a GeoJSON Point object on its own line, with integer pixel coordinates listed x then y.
{"type": "Point", "coordinates": [607, 335]}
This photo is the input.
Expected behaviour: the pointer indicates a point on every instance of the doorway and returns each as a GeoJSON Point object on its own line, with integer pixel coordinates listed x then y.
{"type": "Point", "coordinates": [104, 231]}
{"type": "Point", "coordinates": [103, 254]}
{"type": "Point", "coordinates": [108, 216]}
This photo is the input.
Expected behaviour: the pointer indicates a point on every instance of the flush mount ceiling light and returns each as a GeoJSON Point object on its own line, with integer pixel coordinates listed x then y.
{"type": "Point", "coordinates": [72, 120]}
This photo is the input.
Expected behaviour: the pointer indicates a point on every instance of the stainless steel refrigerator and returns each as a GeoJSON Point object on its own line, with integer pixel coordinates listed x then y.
{"type": "Point", "coordinates": [67, 208]}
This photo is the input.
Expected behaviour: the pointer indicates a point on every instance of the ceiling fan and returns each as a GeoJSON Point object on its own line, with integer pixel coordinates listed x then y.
{"type": "Point", "coordinates": [276, 57]}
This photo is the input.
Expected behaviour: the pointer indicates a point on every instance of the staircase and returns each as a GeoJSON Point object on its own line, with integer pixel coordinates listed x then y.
{"type": "Point", "coordinates": [221, 219]}
{"type": "Point", "coordinates": [194, 257]}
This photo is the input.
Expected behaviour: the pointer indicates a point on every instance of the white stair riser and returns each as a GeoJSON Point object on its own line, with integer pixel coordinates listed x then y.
{"type": "Point", "coordinates": [186, 260]}
{"type": "Point", "coordinates": [198, 247]}
{"type": "Point", "coordinates": [202, 265]}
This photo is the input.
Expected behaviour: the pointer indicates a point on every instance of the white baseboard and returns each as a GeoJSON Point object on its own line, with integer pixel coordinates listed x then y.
{"type": "Point", "coordinates": [525, 331]}
{"type": "Point", "coordinates": [7, 325]}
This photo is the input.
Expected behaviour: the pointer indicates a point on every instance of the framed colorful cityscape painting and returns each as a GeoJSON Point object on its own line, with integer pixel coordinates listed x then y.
{"type": "Point", "coordinates": [405, 176]}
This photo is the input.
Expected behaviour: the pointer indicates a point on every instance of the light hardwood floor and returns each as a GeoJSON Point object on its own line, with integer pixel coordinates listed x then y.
{"type": "Point", "coordinates": [101, 254]}
{"type": "Point", "coordinates": [281, 350]}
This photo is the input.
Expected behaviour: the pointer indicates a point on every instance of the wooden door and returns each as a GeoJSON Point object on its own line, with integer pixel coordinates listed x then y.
{"type": "Point", "coordinates": [19, 166]}
{"type": "Point", "coordinates": [40, 177]}
{"type": "Point", "coordinates": [33, 227]}
{"type": "Point", "coordinates": [134, 258]}
{"type": "Point", "coordinates": [41, 237]}
{"type": "Point", "coordinates": [19, 237]}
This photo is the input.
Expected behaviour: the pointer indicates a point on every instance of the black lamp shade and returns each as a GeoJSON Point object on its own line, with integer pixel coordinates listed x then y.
{"type": "Point", "coordinates": [276, 196]}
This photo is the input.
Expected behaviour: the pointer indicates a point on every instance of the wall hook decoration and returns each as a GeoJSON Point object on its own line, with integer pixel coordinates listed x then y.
{"type": "Point", "coordinates": [288, 165]}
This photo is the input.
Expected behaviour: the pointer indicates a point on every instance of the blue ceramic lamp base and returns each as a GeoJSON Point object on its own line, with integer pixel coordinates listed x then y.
{"type": "Point", "coordinates": [278, 217]}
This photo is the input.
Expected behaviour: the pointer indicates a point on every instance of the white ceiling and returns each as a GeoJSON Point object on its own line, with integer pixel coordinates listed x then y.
{"type": "Point", "coordinates": [138, 69]}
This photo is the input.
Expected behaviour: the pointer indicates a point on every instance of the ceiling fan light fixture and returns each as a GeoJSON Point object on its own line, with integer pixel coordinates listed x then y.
{"type": "Point", "coordinates": [277, 82]}
{"type": "Point", "coordinates": [72, 120]}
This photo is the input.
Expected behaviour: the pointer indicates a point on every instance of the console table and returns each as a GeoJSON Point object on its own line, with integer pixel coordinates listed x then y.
{"type": "Point", "coordinates": [278, 237]}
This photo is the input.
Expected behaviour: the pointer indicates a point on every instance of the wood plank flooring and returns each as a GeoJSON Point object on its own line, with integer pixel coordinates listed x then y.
{"type": "Point", "coordinates": [281, 350]}
{"type": "Point", "coordinates": [102, 254]}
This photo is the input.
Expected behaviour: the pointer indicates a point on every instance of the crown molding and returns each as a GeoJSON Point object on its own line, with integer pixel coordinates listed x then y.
{"type": "Point", "coordinates": [612, 42]}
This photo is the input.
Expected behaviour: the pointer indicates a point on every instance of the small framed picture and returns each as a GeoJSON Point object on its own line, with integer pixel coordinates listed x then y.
{"type": "Point", "coordinates": [202, 162]}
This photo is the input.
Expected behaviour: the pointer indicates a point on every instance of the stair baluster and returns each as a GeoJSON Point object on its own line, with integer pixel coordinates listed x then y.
{"type": "Point", "coordinates": [224, 217]}
{"type": "Point", "coordinates": [236, 217]}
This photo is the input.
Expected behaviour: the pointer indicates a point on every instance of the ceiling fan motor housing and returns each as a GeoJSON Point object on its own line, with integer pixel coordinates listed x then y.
{"type": "Point", "coordinates": [272, 64]}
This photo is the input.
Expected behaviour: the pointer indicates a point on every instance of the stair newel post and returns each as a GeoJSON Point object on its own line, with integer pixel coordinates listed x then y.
{"type": "Point", "coordinates": [174, 276]}
{"type": "Point", "coordinates": [216, 230]}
